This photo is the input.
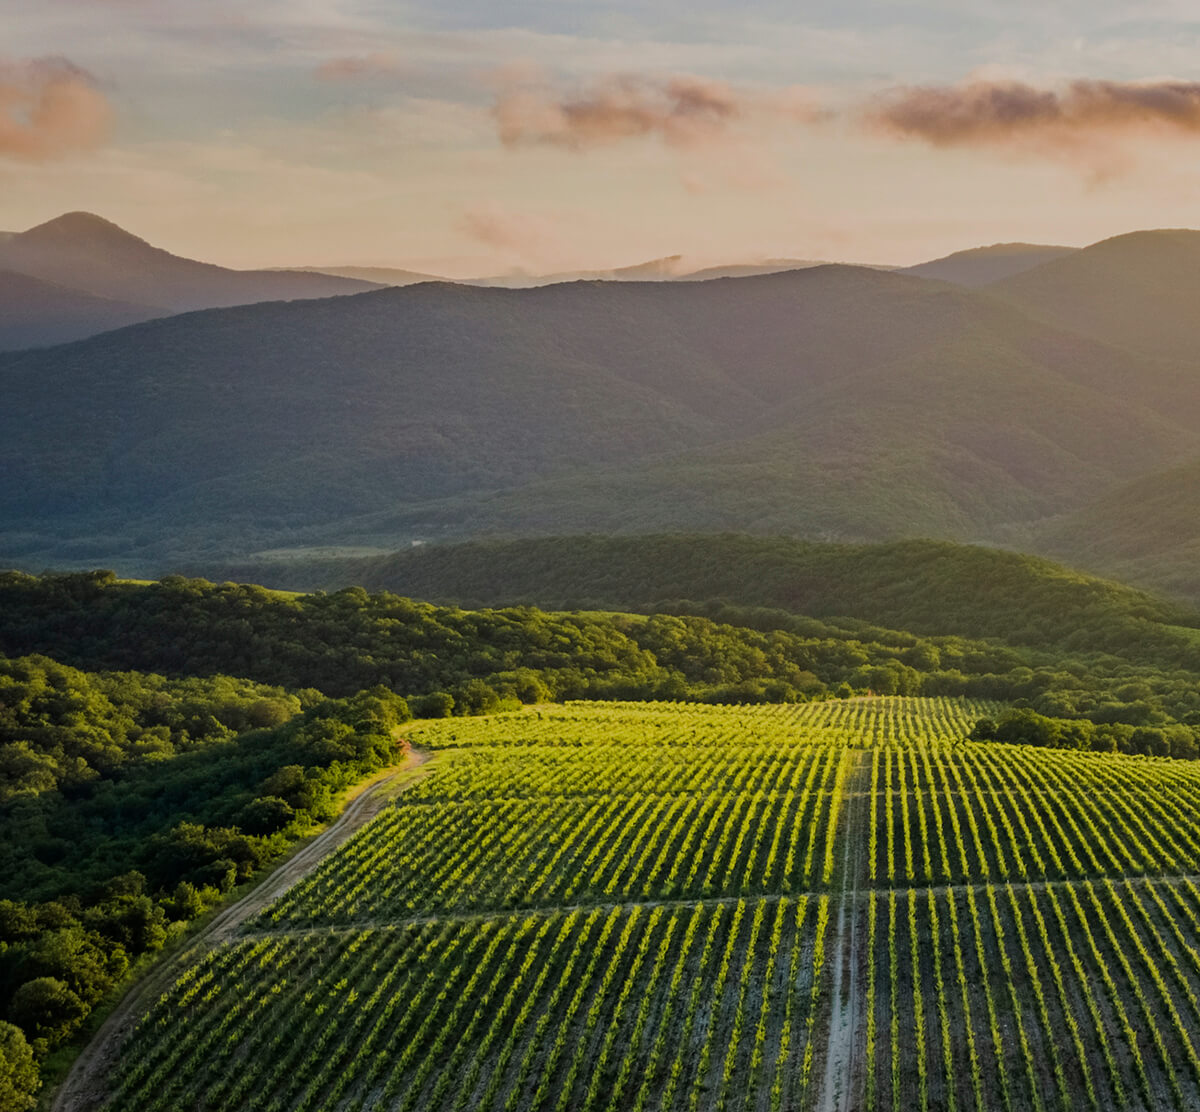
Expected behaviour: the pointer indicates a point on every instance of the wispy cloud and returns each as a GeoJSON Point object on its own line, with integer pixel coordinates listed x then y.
{"type": "Point", "coordinates": [989, 113]}
{"type": "Point", "coordinates": [50, 108]}
{"type": "Point", "coordinates": [680, 110]}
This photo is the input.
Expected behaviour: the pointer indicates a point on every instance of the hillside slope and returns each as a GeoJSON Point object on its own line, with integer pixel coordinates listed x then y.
{"type": "Point", "coordinates": [979, 266]}
{"type": "Point", "coordinates": [34, 313]}
{"type": "Point", "coordinates": [923, 586]}
{"type": "Point", "coordinates": [1136, 291]}
{"type": "Point", "coordinates": [377, 275]}
{"type": "Point", "coordinates": [1146, 532]}
{"type": "Point", "coordinates": [835, 401]}
{"type": "Point", "coordinates": [956, 441]}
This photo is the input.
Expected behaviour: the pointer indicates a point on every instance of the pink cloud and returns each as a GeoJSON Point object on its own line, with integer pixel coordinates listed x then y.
{"type": "Point", "coordinates": [680, 110]}
{"type": "Point", "coordinates": [981, 113]}
{"type": "Point", "coordinates": [50, 108]}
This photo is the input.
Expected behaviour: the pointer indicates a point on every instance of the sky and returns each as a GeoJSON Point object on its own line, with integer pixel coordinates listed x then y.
{"type": "Point", "coordinates": [483, 136]}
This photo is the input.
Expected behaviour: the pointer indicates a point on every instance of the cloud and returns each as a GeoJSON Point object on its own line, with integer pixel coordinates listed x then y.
{"type": "Point", "coordinates": [992, 113]}
{"type": "Point", "coordinates": [50, 108]}
{"type": "Point", "coordinates": [526, 235]}
{"type": "Point", "coordinates": [679, 110]}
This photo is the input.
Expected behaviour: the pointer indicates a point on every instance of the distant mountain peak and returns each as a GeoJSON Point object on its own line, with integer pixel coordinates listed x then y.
{"type": "Point", "coordinates": [85, 252]}
{"type": "Point", "coordinates": [81, 228]}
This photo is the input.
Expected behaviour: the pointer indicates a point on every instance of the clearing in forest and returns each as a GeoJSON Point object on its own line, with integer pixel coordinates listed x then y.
{"type": "Point", "coordinates": [836, 905]}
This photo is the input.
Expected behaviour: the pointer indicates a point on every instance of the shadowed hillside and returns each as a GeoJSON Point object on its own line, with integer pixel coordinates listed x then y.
{"type": "Point", "coordinates": [1146, 532]}
{"type": "Point", "coordinates": [834, 402]}
{"type": "Point", "coordinates": [1137, 291]}
{"type": "Point", "coordinates": [923, 586]}
{"type": "Point", "coordinates": [34, 313]}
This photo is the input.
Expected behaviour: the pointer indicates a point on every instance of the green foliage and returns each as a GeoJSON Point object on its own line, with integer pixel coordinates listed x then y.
{"type": "Point", "coordinates": [47, 1008]}
{"type": "Point", "coordinates": [61, 729]}
{"type": "Point", "coordinates": [985, 623]}
{"type": "Point", "coordinates": [468, 662]}
{"type": "Point", "coordinates": [130, 803]}
{"type": "Point", "coordinates": [19, 1081]}
{"type": "Point", "coordinates": [927, 587]}
{"type": "Point", "coordinates": [1024, 726]}
{"type": "Point", "coordinates": [1145, 532]}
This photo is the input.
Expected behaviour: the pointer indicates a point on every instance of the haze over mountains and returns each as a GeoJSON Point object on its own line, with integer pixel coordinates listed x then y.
{"type": "Point", "coordinates": [831, 402]}
{"type": "Point", "coordinates": [1137, 291]}
{"type": "Point", "coordinates": [87, 256]}
{"type": "Point", "coordinates": [34, 312]}
{"type": "Point", "coordinates": [82, 257]}
{"type": "Point", "coordinates": [671, 268]}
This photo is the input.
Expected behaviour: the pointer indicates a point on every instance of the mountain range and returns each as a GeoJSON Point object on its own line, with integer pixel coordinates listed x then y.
{"type": "Point", "coordinates": [104, 277]}
{"type": "Point", "coordinates": [670, 268]}
{"type": "Point", "coordinates": [34, 312]}
{"type": "Point", "coordinates": [831, 402]}
{"type": "Point", "coordinates": [82, 257]}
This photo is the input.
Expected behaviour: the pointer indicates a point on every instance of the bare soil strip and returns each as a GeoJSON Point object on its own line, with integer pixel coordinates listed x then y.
{"type": "Point", "coordinates": [844, 1076]}
{"type": "Point", "coordinates": [84, 1087]}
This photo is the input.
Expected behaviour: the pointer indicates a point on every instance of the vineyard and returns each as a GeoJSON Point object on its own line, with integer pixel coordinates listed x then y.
{"type": "Point", "coordinates": [665, 906]}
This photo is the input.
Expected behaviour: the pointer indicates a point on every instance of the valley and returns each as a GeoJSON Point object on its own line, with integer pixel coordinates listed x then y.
{"type": "Point", "coordinates": [599, 557]}
{"type": "Point", "coordinates": [831, 403]}
{"type": "Point", "coordinates": [804, 907]}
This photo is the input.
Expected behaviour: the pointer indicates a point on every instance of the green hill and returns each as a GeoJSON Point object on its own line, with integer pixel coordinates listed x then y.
{"type": "Point", "coordinates": [835, 401]}
{"type": "Point", "coordinates": [923, 586]}
{"type": "Point", "coordinates": [1146, 532]}
{"type": "Point", "coordinates": [1136, 291]}
{"type": "Point", "coordinates": [946, 442]}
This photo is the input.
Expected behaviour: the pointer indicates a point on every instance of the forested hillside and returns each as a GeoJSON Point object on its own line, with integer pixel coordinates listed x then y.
{"type": "Point", "coordinates": [131, 803]}
{"type": "Point", "coordinates": [1121, 666]}
{"type": "Point", "coordinates": [1136, 291]}
{"type": "Point", "coordinates": [1146, 532]}
{"type": "Point", "coordinates": [979, 266]}
{"type": "Point", "coordinates": [834, 402]}
{"type": "Point", "coordinates": [924, 586]}
{"type": "Point", "coordinates": [473, 659]}
{"type": "Point", "coordinates": [34, 313]}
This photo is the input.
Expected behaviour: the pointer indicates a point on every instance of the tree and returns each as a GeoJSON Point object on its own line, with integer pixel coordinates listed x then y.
{"type": "Point", "coordinates": [46, 1008]}
{"type": "Point", "coordinates": [19, 1079]}
{"type": "Point", "coordinates": [985, 730]}
{"type": "Point", "coordinates": [266, 815]}
{"type": "Point", "coordinates": [437, 704]}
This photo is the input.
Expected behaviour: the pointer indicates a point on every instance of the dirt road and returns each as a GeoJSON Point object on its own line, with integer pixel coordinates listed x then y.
{"type": "Point", "coordinates": [843, 1079]}
{"type": "Point", "coordinates": [83, 1088]}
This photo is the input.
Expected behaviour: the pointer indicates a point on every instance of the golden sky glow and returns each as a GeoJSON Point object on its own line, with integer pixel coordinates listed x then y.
{"type": "Point", "coordinates": [542, 136]}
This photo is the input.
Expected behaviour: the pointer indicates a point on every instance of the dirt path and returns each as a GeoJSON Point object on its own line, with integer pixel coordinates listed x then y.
{"type": "Point", "coordinates": [84, 1087]}
{"type": "Point", "coordinates": [843, 1073]}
